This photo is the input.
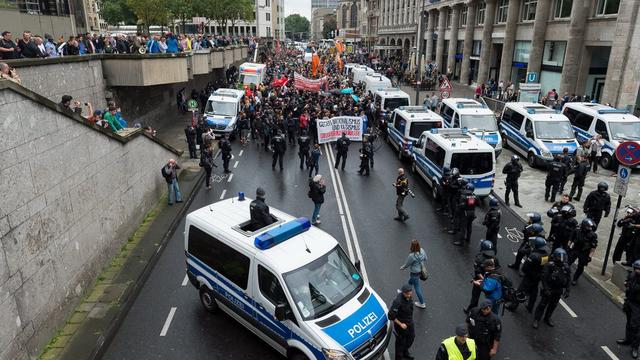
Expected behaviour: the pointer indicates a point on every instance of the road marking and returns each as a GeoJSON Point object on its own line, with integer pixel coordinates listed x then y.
{"type": "Point", "coordinates": [609, 352]}
{"type": "Point", "coordinates": [515, 253]}
{"type": "Point", "coordinates": [236, 164]}
{"type": "Point", "coordinates": [223, 193]}
{"type": "Point", "coordinates": [185, 280]}
{"type": "Point", "coordinates": [499, 236]}
{"type": "Point", "coordinates": [346, 235]}
{"type": "Point", "coordinates": [333, 181]}
{"type": "Point", "coordinates": [241, 152]}
{"type": "Point", "coordinates": [167, 322]}
{"type": "Point", "coordinates": [230, 177]}
{"type": "Point", "coordinates": [566, 307]}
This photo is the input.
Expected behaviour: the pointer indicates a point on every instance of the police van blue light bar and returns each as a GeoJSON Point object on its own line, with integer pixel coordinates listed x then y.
{"type": "Point", "coordinates": [279, 234]}
{"type": "Point", "coordinates": [613, 111]}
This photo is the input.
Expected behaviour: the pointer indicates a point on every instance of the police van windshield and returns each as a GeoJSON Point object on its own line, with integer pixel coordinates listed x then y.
{"type": "Point", "coordinates": [554, 130]}
{"type": "Point", "coordinates": [222, 108]}
{"type": "Point", "coordinates": [395, 103]}
{"type": "Point", "coordinates": [486, 122]}
{"type": "Point", "coordinates": [249, 79]}
{"type": "Point", "coordinates": [625, 130]}
{"type": "Point", "coordinates": [323, 285]}
{"type": "Point", "coordinates": [474, 163]}
{"type": "Point", "coordinates": [418, 127]}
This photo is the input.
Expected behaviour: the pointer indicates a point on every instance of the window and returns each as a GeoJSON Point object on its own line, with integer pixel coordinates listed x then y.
{"type": "Point", "coordinates": [354, 15]}
{"type": "Point", "coordinates": [449, 16]}
{"type": "Point", "coordinates": [502, 11]}
{"type": "Point", "coordinates": [482, 9]}
{"type": "Point", "coordinates": [418, 127]}
{"type": "Point", "coordinates": [436, 20]}
{"type": "Point", "coordinates": [270, 286]}
{"type": "Point", "coordinates": [434, 152]}
{"type": "Point", "coordinates": [344, 17]}
{"type": "Point", "coordinates": [578, 119]}
{"type": "Point", "coordinates": [394, 103]}
{"type": "Point", "coordinates": [528, 127]}
{"type": "Point", "coordinates": [463, 14]}
{"type": "Point", "coordinates": [607, 7]}
{"type": "Point", "coordinates": [446, 112]}
{"type": "Point", "coordinates": [400, 124]}
{"type": "Point", "coordinates": [529, 10]}
{"type": "Point", "coordinates": [554, 53]}
{"type": "Point", "coordinates": [513, 118]}
{"type": "Point", "coordinates": [222, 258]}
{"type": "Point", "coordinates": [601, 128]}
{"type": "Point", "coordinates": [472, 163]}
{"type": "Point", "coordinates": [552, 130]}
{"type": "Point", "coordinates": [268, 31]}
{"type": "Point", "coordinates": [268, 16]}
{"type": "Point", "coordinates": [563, 9]}
{"type": "Point", "coordinates": [477, 47]}
{"type": "Point", "coordinates": [267, 2]}
{"type": "Point", "coordinates": [521, 51]}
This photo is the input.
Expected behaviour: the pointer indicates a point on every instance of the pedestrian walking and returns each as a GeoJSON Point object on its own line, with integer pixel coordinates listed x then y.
{"type": "Point", "coordinates": [433, 102]}
{"type": "Point", "coordinates": [279, 146]}
{"type": "Point", "coordinates": [313, 162]}
{"type": "Point", "coordinates": [417, 264]}
{"type": "Point", "coordinates": [582, 245]}
{"type": "Point", "coordinates": [317, 189]}
{"type": "Point", "coordinates": [631, 309]}
{"type": "Point", "coordinates": [512, 169]}
{"type": "Point", "coordinates": [402, 189]}
{"type": "Point", "coordinates": [366, 152]}
{"type": "Point", "coordinates": [170, 174]}
{"type": "Point", "coordinates": [401, 315]}
{"type": "Point", "coordinates": [492, 222]}
{"type": "Point", "coordinates": [459, 347]}
{"type": "Point", "coordinates": [597, 202]}
{"type": "Point", "coordinates": [485, 328]}
{"type": "Point", "coordinates": [342, 148]}
{"type": "Point", "coordinates": [556, 171]}
{"type": "Point", "coordinates": [595, 145]}
{"type": "Point", "coordinates": [225, 150]}
{"type": "Point", "coordinates": [556, 276]}
{"type": "Point", "coordinates": [206, 161]}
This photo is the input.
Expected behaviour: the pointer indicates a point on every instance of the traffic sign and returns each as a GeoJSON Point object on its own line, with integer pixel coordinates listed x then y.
{"type": "Point", "coordinates": [628, 153]}
{"type": "Point", "coordinates": [192, 104]}
{"type": "Point", "coordinates": [445, 94]}
{"type": "Point", "coordinates": [445, 85]}
{"type": "Point", "coordinates": [622, 181]}
{"type": "Point", "coordinates": [532, 77]}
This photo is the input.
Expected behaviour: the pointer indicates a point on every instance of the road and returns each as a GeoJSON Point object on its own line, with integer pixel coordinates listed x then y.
{"type": "Point", "coordinates": [168, 322]}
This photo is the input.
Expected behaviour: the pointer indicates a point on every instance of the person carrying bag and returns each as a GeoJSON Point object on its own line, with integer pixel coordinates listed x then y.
{"type": "Point", "coordinates": [417, 264]}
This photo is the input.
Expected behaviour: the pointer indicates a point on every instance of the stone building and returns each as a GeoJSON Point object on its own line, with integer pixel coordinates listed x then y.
{"type": "Point", "coordinates": [397, 25]}
{"type": "Point", "coordinates": [318, 17]}
{"type": "Point", "coordinates": [357, 21]}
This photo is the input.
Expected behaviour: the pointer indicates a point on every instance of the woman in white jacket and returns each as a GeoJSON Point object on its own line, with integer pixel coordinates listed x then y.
{"type": "Point", "coordinates": [595, 144]}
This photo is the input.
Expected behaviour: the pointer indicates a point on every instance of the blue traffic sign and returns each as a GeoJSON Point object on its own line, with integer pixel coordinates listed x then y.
{"type": "Point", "coordinates": [624, 173]}
{"type": "Point", "coordinates": [628, 153]}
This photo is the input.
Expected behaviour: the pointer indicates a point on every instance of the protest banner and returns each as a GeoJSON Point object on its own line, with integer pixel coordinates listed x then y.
{"type": "Point", "coordinates": [332, 129]}
{"type": "Point", "coordinates": [303, 83]}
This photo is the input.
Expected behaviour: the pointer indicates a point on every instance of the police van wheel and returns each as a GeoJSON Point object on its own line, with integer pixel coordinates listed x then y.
{"type": "Point", "coordinates": [531, 159]}
{"type": "Point", "coordinates": [434, 191]}
{"type": "Point", "coordinates": [414, 169]}
{"type": "Point", "coordinates": [400, 155]}
{"type": "Point", "coordinates": [207, 299]}
{"type": "Point", "coordinates": [504, 141]}
{"type": "Point", "coordinates": [606, 161]}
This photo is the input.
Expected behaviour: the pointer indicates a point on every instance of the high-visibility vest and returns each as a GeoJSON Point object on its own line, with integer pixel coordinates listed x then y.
{"type": "Point", "coordinates": [454, 352]}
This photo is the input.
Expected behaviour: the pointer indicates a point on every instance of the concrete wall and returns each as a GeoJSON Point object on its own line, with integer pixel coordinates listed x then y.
{"type": "Point", "coordinates": [17, 22]}
{"type": "Point", "coordinates": [71, 195]}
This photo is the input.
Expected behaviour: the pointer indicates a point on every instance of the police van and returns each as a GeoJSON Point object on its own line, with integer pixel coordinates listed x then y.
{"type": "Point", "coordinates": [360, 72]}
{"type": "Point", "coordinates": [454, 148]}
{"type": "Point", "coordinates": [476, 117]}
{"type": "Point", "coordinates": [406, 125]}
{"type": "Point", "coordinates": [252, 73]}
{"type": "Point", "coordinates": [536, 131]}
{"type": "Point", "coordinates": [614, 125]}
{"type": "Point", "coordinates": [221, 110]}
{"type": "Point", "coordinates": [289, 283]}
{"type": "Point", "coordinates": [374, 82]}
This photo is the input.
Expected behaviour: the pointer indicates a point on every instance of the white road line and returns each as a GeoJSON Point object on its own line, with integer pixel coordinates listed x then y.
{"type": "Point", "coordinates": [515, 253]}
{"type": "Point", "coordinates": [185, 280]}
{"type": "Point", "coordinates": [566, 307]}
{"type": "Point", "coordinates": [333, 180]}
{"type": "Point", "coordinates": [609, 352]}
{"type": "Point", "coordinates": [241, 152]}
{"type": "Point", "coordinates": [236, 164]}
{"type": "Point", "coordinates": [499, 236]}
{"type": "Point", "coordinates": [230, 177]}
{"type": "Point", "coordinates": [224, 191]}
{"type": "Point", "coordinates": [167, 322]}
{"type": "Point", "coordinates": [346, 235]}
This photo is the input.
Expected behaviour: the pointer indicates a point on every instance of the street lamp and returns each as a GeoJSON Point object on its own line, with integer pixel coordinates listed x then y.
{"type": "Point", "coordinates": [423, 18]}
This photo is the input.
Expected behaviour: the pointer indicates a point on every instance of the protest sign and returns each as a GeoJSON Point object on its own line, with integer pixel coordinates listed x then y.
{"type": "Point", "coordinates": [332, 129]}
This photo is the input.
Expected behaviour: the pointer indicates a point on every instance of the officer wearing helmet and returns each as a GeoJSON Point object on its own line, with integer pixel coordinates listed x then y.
{"type": "Point", "coordinates": [563, 225]}
{"type": "Point", "coordinates": [305, 148]}
{"type": "Point", "coordinates": [533, 228]}
{"type": "Point", "coordinates": [597, 202]}
{"type": "Point", "coordinates": [445, 191]}
{"type": "Point", "coordinates": [279, 146]}
{"type": "Point", "coordinates": [512, 169]}
{"type": "Point", "coordinates": [492, 222]}
{"type": "Point", "coordinates": [532, 269]}
{"type": "Point", "coordinates": [631, 309]}
{"type": "Point", "coordinates": [582, 245]}
{"type": "Point", "coordinates": [487, 252]}
{"type": "Point", "coordinates": [556, 172]}
{"type": "Point", "coordinates": [556, 278]}
{"type": "Point", "coordinates": [466, 213]}
{"type": "Point", "coordinates": [454, 191]}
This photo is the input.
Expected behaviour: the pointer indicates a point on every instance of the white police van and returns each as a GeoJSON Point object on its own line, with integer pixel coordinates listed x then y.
{"type": "Point", "coordinates": [476, 117]}
{"type": "Point", "coordinates": [615, 126]}
{"type": "Point", "coordinates": [360, 72]}
{"type": "Point", "coordinates": [289, 283]}
{"type": "Point", "coordinates": [221, 110]}
{"type": "Point", "coordinates": [536, 131]}
{"type": "Point", "coordinates": [406, 125]}
{"type": "Point", "coordinates": [374, 82]}
{"type": "Point", "coordinates": [454, 148]}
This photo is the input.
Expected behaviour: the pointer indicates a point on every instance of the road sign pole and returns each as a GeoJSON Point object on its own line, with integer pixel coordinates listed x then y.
{"type": "Point", "coordinates": [613, 230]}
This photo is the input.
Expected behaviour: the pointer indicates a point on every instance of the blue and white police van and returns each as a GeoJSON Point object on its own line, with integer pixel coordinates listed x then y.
{"type": "Point", "coordinates": [461, 113]}
{"type": "Point", "coordinates": [454, 148]}
{"type": "Point", "coordinates": [222, 109]}
{"type": "Point", "coordinates": [536, 131]}
{"type": "Point", "coordinates": [289, 283]}
{"type": "Point", "coordinates": [614, 125]}
{"type": "Point", "coordinates": [406, 125]}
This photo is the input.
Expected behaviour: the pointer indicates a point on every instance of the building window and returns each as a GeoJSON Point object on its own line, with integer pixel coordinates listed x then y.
{"type": "Point", "coordinates": [563, 9]}
{"type": "Point", "coordinates": [477, 47]}
{"type": "Point", "coordinates": [354, 16]}
{"type": "Point", "coordinates": [463, 14]}
{"type": "Point", "coordinates": [268, 16]}
{"type": "Point", "coordinates": [607, 7]}
{"type": "Point", "coordinates": [436, 19]}
{"type": "Point", "coordinates": [554, 53]}
{"type": "Point", "coordinates": [482, 9]}
{"type": "Point", "coordinates": [449, 15]}
{"type": "Point", "coordinates": [267, 2]}
{"type": "Point", "coordinates": [529, 10]}
{"type": "Point", "coordinates": [268, 31]}
{"type": "Point", "coordinates": [344, 17]}
{"type": "Point", "coordinates": [521, 51]}
{"type": "Point", "coordinates": [502, 11]}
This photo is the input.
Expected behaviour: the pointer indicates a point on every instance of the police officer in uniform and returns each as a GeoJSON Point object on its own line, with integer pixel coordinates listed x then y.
{"type": "Point", "coordinates": [532, 229]}
{"type": "Point", "coordinates": [532, 269]}
{"type": "Point", "coordinates": [402, 190]}
{"type": "Point", "coordinates": [485, 328]}
{"type": "Point", "coordinates": [454, 192]}
{"type": "Point", "coordinates": [225, 150]}
{"type": "Point", "coordinates": [279, 146]}
{"type": "Point", "coordinates": [445, 191]}
{"type": "Point", "coordinates": [457, 347]}
{"type": "Point", "coordinates": [401, 314]}
{"type": "Point", "coordinates": [513, 169]}
{"type": "Point", "coordinates": [366, 151]}
{"type": "Point", "coordinates": [556, 172]}
{"type": "Point", "coordinates": [579, 176]}
{"type": "Point", "coordinates": [466, 215]}
{"type": "Point", "coordinates": [260, 216]}
{"type": "Point", "coordinates": [342, 147]}
{"type": "Point", "coordinates": [191, 134]}
{"type": "Point", "coordinates": [582, 246]}
{"type": "Point", "coordinates": [629, 236]}
{"type": "Point", "coordinates": [631, 309]}
{"type": "Point", "coordinates": [305, 146]}
{"type": "Point", "coordinates": [563, 225]}
{"type": "Point", "coordinates": [556, 277]}
{"type": "Point", "coordinates": [492, 222]}
{"type": "Point", "coordinates": [597, 202]}
{"type": "Point", "coordinates": [487, 252]}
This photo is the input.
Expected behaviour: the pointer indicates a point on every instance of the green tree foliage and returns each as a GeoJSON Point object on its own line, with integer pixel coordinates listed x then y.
{"type": "Point", "coordinates": [295, 23]}
{"type": "Point", "coordinates": [114, 12]}
{"type": "Point", "coordinates": [150, 12]}
{"type": "Point", "coordinates": [330, 24]}
{"type": "Point", "coordinates": [183, 10]}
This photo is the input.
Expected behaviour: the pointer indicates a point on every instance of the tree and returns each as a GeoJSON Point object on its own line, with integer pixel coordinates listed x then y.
{"type": "Point", "coordinates": [216, 10]}
{"type": "Point", "coordinates": [114, 12]}
{"type": "Point", "coordinates": [182, 10]}
{"type": "Point", "coordinates": [295, 23]}
{"type": "Point", "coordinates": [150, 12]}
{"type": "Point", "coordinates": [241, 10]}
{"type": "Point", "coordinates": [330, 24]}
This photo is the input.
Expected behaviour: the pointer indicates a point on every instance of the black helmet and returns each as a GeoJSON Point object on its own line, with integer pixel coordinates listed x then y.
{"type": "Point", "coordinates": [537, 229]}
{"type": "Point", "coordinates": [515, 158]}
{"type": "Point", "coordinates": [446, 170]}
{"type": "Point", "coordinates": [455, 172]}
{"type": "Point", "coordinates": [603, 186]}
{"type": "Point", "coordinates": [552, 212]}
{"type": "Point", "coordinates": [486, 245]}
{"type": "Point", "coordinates": [521, 296]}
{"type": "Point", "coordinates": [559, 255]}
{"type": "Point", "coordinates": [470, 187]}
{"type": "Point", "coordinates": [587, 223]}
{"type": "Point", "coordinates": [493, 202]}
{"type": "Point", "coordinates": [535, 218]}
{"type": "Point", "coordinates": [636, 264]}
{"type": "Point", "coordinates": [537, 242]}
{"type": "Point", "coordinates": [568, 210]}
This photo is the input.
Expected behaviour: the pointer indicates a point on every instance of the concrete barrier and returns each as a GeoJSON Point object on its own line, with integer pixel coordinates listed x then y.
{"type": "Point", "coordinates": [237, 54]}
{"type": "Point", "coordinates": [217, 59]}
{"type": "Point", "coordinates": [145, 71]}
{"type": "Point", "coordinates": [228, 56]}
{"type": "Point", "coordinates": [201, 62]}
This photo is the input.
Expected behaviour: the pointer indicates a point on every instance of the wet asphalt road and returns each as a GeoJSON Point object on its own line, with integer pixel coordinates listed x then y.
{"type": "Point", "coordinates": [382, 247]}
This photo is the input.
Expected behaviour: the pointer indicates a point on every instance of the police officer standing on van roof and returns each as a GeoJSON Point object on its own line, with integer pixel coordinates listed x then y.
{"type": "Point", "coordinates": [401, 314]}
{"type": "Point", "coordinates": [457, 347]}
{"type": "Point", "coordinates": [513, 169]}
{"type": "Point", "coordinates": [259, 211]}
{"type": "Point", "coordinates": [598, 201]}
{"type": "Point", "coordinates": [556, 171]}
{"type": "Point", "coordinates": [342, 148]}
{"type": "Point", "coordinates": [225, 150]}
{"type": "Point", "coordinates": [631, 309]}
{"type": "Point", "coordinates": [485, 328]}
{"type": "Point", "coordinates": [492, 222]}
{"type": "Point", "coordinates": [279, 148]}
{"type": "Point", "coordinates": [556, 276]}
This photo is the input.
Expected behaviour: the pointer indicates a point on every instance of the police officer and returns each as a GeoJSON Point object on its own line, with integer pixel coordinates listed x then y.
{"type": "Point", "coordinates": [401, 314]}
{"type": "Point", "coordinates": [259, 211]}
{"type": "Point", "coordinates": [579, 176]}
{"type": "Point", "coordinates": [402, 190]}
{"type": "Point", "coordinates": [366, 152]}
{"type": "Point", "coordinates": [564, 200]}
{"type": "Point", "coordinates": [279, 146]}
{"type": "Point", "coordinates": [631, 309]}
{"type": "Point", "coordinates": [454, 189]}
{"type": "Point", "coordinates": [556, 277]}
{"type": "Point", "coordinates": [492, 222]}
{"type": "Point", "coordinates": [532, 269]}
{"type": "Point", "coordinates": [532, 229]}
{"type": "Point", "coordinates": [487, 252]}
{"type": "Point", "coordinates": [342, 147]}
{"type": "Point", "coordinates": [485, 328]}
{"type": "Point", "coordinates": [556, 172]}
{"type": "Point", "coordinates": [225, 150]}
{"type": "Point", "coordinates": [445, 182]}
{"type": "Point", "coordinates": [582, 245]}
{"type": "Point", "coordinates": [567, 160]}
{"type": "Point", "coordinates": [467, 212]}
{"type": "Point", "coordinates": [457, 347]}
{"type": "Point", "coordinates": [563, 225]}
{"type": "Point", "coordinates": [630, 225]}
{"type": "Point", "coordinates": [305, 146]}
{"type": "Point", "coordinates": [513, 169]}
{"type": "Point", "coordinates": [598, 201]}
{"type": "Point", "coordinates": [191, 134]}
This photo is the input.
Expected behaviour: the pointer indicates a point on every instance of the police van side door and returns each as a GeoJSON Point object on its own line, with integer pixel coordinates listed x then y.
{"type": "Point", "coordinates": [268, 293]}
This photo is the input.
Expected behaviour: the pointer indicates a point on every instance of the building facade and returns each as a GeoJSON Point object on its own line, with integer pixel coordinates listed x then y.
{"type": "Point", "coordinates": [318, 17]}
{"type": "Point", "coordinates": [357, 21]}
{"type": "Point", "coordinates": [397, 25]}
{"type": "Point", "coordinates": [317, 4]}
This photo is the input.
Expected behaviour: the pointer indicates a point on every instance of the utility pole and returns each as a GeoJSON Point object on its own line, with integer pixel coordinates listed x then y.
{"type": "Point", "coordinates": [423, 18]}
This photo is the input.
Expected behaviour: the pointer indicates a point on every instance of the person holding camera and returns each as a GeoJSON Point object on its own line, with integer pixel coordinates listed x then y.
{"type": "Point", "coordinates": [170, 174]}
{"type": "Point", "coordinates": [8, 73]}
{"type": "Point", "coordinates": [402, 189]}
{"type": "Point", "coordinates": [317, 189]}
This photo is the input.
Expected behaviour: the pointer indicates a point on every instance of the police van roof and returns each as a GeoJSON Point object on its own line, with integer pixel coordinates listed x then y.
{"type": "Point", "coordinates": [227, 95]}
{"type": "Point", "coordinates": [222, 218]}
{"type": "Point", "coordinates": [416, 113]}
{"type": "Point", "coordinates": [458, 140]}
{"type": "Point", "coordinates": [392, 93]}
{"type": "Point", "coordinates": [465, 106]}
{"type": "Point", "coordinates": [602, 111]}
{"type": "Point", "coordinates": [535, 111]}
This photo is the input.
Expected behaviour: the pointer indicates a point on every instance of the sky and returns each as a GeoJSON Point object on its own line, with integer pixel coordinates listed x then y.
{"type": "Point", "coordinates": [302, 7]}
